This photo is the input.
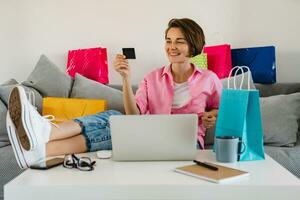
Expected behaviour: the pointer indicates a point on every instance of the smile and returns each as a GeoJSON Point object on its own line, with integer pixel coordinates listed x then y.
{"type": "Point", "coordinates": [174, 54]}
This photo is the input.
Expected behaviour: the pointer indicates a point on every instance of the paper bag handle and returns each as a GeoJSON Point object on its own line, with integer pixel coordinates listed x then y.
{"type": "Point", "coordinates": [239, 68]}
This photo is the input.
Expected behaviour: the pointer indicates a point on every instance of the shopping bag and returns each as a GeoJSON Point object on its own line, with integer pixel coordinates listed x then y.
{"type": "Point", "coordinates": [69, 108]}
{"type": "Point", "coordinates": [260, 60]}
{"type": "Point", "coordinates": [239, 115]}
{"type": "Point", "coordinates": [200, 60]}
{"type": "Point", "coordinates": [90, 63]}
{"type": "Point", "coordinates": [219, 59]}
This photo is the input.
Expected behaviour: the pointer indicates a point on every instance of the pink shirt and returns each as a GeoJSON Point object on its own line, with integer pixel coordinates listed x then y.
{"type": "Point", "coordinates": [155, 94]}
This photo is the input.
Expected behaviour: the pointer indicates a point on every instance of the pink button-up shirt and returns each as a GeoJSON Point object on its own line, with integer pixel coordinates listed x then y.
{"type": "Point", "coordinates": [155, 94]}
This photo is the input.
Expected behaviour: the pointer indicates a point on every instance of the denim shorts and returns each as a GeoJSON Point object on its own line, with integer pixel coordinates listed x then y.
{"type": "Point", "coordinates": [96, 130]}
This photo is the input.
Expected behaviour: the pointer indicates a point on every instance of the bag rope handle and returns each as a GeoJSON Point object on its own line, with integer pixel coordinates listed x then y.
{"type": "Point", "coordinates": [239, 68]}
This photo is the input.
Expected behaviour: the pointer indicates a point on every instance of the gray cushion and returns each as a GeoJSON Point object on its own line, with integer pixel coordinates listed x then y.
{"type": "Point", "coordinates": [49, 80]}
{"type": "Point", "coordinates": [120, 87]}
{"type": "Point", "coordinates": [280, 115]}
{"type": "Point", "coordinates": [10, 82]}
{"type": "Point", "coordinates": [86, 88]}
{"type": "Point", "coordinates": [266, 90]}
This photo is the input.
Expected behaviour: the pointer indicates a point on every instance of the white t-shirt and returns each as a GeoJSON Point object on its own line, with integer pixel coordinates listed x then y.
{"type": "Point", "coordinates": [181, 94]}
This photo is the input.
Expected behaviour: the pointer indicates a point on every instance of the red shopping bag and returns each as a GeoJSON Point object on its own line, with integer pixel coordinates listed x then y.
{"type": "Point", "coordinates": [91, 63]}
{"type": "Point", "coordinates": [219, 59]}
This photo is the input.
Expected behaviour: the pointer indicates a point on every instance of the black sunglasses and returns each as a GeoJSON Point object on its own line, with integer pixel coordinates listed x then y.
{"type": "Point", "coordinates": [81, 163]}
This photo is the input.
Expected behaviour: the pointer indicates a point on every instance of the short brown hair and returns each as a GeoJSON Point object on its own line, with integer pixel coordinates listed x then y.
{"type": "Point", "coordinates": [191, 31]}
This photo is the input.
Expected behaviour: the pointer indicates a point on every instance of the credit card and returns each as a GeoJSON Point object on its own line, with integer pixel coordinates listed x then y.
{"type": "Point", "coordinates": [129, 53]}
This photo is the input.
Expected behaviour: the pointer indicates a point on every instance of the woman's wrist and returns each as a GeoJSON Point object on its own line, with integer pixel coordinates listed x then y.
{"type": "Point", "coordinates": [214, 112]}
{"type": "Point", "coordinates": [126, 80]}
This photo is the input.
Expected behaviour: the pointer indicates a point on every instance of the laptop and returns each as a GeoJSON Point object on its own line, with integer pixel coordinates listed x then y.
{"type": "Point", "coordinates": [154, 137]}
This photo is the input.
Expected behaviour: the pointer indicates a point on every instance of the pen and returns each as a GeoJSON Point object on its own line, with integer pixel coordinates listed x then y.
{"type": "Point", "coordinates": [203, 164]}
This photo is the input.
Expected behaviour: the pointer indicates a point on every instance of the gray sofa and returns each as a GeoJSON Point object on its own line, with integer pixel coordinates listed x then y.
{"type": "Point", "coordinates": [287, 156]}
{"type": "Point", "coordinates": [47, 80]}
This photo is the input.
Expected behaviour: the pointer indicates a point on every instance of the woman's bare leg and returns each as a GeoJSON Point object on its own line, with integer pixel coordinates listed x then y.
{"type": "Point", "coordinates": [76, 144]}
{"type": "Point", "coordinates": [65, 130]}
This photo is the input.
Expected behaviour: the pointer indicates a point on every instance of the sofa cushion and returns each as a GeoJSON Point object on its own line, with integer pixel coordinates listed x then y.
{"type": "Point", "coordinates": [280, 115]}
{"type": "Point", "coordinates": [49, 80]}
{"type": "Point", "coordinates": [10, 82]}
{"type": "Point", "coordinates": [86, 88]}
{"type": "Point", "coordinates": [120, 87]}
{"type": "Point", "coordinates": [266, 90]}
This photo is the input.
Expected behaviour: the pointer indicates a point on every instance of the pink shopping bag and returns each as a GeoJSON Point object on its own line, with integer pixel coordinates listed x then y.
{"type": "Point", "coordinates": [91, 63]}
{"type": "Point", "coordinates": [219, 59]}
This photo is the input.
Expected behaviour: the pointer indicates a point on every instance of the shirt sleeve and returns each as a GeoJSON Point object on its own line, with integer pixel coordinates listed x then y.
{"type": "Point", "coordinates": [141, 97]}
{"type": "Point", "coordinates": [216, 90]}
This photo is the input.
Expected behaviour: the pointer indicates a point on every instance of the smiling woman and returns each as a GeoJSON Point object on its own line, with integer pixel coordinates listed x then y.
{"type": "Point", "coordinates": [179, 88]}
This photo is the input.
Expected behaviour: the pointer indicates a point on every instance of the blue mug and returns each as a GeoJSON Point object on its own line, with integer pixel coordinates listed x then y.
{"type": "Point", "coordinates": [227, 148]}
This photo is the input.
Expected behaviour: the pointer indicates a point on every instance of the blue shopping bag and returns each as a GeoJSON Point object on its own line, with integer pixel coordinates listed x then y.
{"type": "Point", "coordinates": [260, 60]}
{"type": "Point", "coordinates": [239, 115]}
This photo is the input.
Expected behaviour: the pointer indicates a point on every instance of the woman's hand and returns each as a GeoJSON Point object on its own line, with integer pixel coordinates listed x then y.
{"type": "Point", "coordinates": [121, 65]}
{"type": "Point", "coordinates": [209, 119]}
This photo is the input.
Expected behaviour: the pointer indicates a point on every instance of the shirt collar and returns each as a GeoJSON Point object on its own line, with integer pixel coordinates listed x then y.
{"type": "Point", "coordinates": [167, 70]}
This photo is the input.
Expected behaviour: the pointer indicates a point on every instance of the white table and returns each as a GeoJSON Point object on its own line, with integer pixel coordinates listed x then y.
{"type": "Point", "coordinates": [153, 180]}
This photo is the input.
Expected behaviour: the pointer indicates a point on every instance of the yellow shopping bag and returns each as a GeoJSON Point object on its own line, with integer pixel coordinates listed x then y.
{"type": "Point", "coordinates": [69, 108]}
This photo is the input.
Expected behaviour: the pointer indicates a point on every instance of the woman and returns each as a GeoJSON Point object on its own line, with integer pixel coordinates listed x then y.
{"type": "Point", "coordinates": [178, 88]}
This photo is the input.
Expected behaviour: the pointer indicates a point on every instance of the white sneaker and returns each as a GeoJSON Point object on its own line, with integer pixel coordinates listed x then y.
{"type": "Point", "coordinates": [24, 158]}
{"type": "Point", "coordinates": [29, 126]}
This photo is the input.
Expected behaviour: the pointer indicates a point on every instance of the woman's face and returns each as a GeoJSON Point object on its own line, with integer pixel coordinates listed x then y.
{"type": "Point", "coordinates": [176, 46]}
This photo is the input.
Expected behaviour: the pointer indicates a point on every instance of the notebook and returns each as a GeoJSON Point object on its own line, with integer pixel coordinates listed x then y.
{"type": "Point", "coordinates": [154, 137]}
{"type": "Point", "coordinates": [222, 175]}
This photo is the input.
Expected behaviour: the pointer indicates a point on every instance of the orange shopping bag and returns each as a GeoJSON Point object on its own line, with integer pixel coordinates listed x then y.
{"type": "Point", "coordinates": [69, 108]}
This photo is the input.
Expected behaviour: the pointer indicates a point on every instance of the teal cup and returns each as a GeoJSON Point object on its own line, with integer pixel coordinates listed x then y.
{"type": "Point", "coordinates": [228, 148]}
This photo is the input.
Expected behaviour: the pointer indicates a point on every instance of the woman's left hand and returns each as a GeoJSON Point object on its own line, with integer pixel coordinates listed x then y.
{"type": "Point", "coordinates": [209, 119]}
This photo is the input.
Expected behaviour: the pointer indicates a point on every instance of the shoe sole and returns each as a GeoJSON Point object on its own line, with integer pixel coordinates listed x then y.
{"type": "Point", "coordinates": [16, 111]}
{"type": "Point", "coordinates": [15, 143]}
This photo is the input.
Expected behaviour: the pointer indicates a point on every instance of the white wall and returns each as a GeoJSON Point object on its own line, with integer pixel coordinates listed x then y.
{"type": "Point", "coordinates": [33, 27]}
{"type": "Point", "coordinates": [275, 22]}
